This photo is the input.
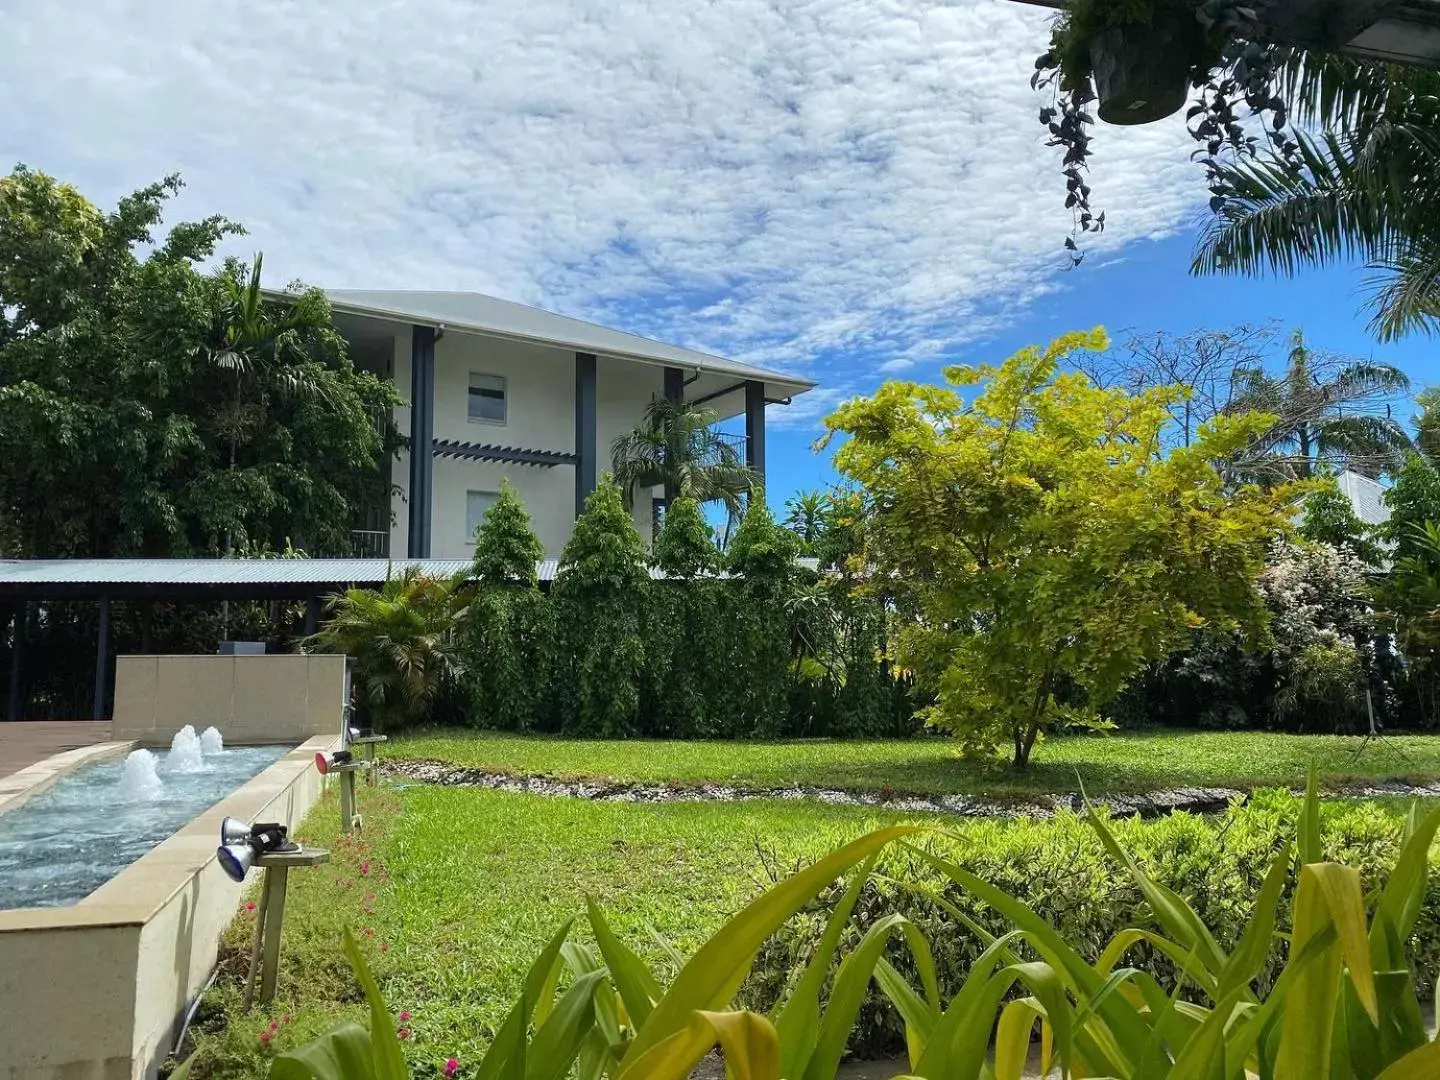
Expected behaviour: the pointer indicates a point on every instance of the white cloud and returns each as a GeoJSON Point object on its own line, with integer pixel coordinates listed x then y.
{"type": "Point", "coordinates": [898, 364]}
{"type": "Point", "coordinates": [775, 182]}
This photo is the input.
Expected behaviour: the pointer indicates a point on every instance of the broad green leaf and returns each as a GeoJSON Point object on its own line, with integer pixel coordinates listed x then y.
{"type": "Point", "coordinates": [937, 1059]}
{"type": "Point", "coordinates": [1309, 833]}
{"type": "Point", "coordinates": [1404, 893]}
{"type": "Point", "coordinates": [387, 1057]}
{"type": "Point", "coordinates": [748, 1041]}
{"type": "Point", "coordinates": [557, 1041]}
{"type": "Point", "coordinates": [1305, 1024]}
{"type": "Point", "coordinates": [919, 1015]}
{"type": "Point", "coordinates": [342, 1054]}
{"type": "Point", "coordinates": [846, 995]}
{"type": "Point", "coordinates": [1012, 1037]}
{"type": "Point", "coordinates": [1421, 1064]}
{"type": "Point", "coordinates": [1186, 961]}
{"type": "Point", "coordinates": [544, 975]}
{"type": "Point", "coordinates": [1204, 1054]}
{"type": "Point", "coordinates": [182, 1071]}
{"type": "Point", "coordinates": [797, 1021]}
{"type": "Point", "coordinates": [637, 986]}
{"type": "Point", "coordinates": [1123, 1023]}
{"type": "Point", "coordinates": [1174, 914]}
{"type": "Point", "coordinates": [1250, 953]}
{"type": "Point", "coordinates": [714, 973]}
{"type": "Point", "coordinates": [1340, 886]}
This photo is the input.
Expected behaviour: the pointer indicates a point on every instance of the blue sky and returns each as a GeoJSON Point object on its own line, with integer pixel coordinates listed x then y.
{"type": "Point", "coordinates": [1150, 288]}
{"type": "Point", "coordinates": [841, 188]}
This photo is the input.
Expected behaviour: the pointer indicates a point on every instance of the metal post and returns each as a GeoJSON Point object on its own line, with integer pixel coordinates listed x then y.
{"type": "Point", "coordinates": [674, 391]}
{"type": "Point", "coordinates": [17, 667]}
{"type": "Point", "coordinates": [276, 878]}
{"type": "Point", "coordinates": [586, 473]}
{"type": "Point", "coordinates": [102, 662]}
{"type": "Point", "coordinates": [348, 818]}
{"type": "Point", "coordinates": [422, 437]}
{"type": "Point", "coordinates": [257, 942]}
{"type": "Point", "coordinates": [312, 615]}
{"type": "Point", "coordinates": [755, 427]}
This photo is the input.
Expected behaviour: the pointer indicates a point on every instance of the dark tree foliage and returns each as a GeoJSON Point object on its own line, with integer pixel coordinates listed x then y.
{"type": "Point", "coordinates": [600, 596]}
{"type": "Point", "coordinates": [148, 407]}
{"type": "Point", "coordinates": [504, 630]}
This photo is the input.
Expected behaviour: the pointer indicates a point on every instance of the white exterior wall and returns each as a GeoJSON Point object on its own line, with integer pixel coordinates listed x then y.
{"type": "Point", "coordinates": [540, 415]}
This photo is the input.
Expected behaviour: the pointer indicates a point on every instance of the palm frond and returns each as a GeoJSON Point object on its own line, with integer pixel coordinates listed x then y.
{"type": "Point", "coordinates": [1405, 291]}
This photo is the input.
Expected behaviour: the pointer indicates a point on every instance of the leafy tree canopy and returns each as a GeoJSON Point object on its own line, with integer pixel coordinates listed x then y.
{"type": "Point", "coordinates": [506, 547]}
{"type": "Point", "coordinates": [762, 551]}
{"type": "Point", "coordinates": [150, 407]}
{"type": "Point", "coordinates": [1040, 540]}
{"type": "Point", "coordinates": [604, 557]}
{"type": "Point", "coordinates": [686, 547]}
{"type": "Point", "coordinates": [1328, 518]}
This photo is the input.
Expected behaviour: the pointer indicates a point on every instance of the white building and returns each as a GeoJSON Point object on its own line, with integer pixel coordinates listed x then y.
{"type": "Point", "coordinates": [496, 389]}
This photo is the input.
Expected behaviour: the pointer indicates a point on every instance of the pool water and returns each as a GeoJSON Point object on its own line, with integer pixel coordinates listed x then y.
{"type": "Point", "coordinates": [59, 846]}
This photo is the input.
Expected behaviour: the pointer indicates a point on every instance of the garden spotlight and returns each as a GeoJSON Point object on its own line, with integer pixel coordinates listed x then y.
{"type": "Point", "coordinates": [241, 845]}
{"type": "Point", "coordinates": [326, 760]}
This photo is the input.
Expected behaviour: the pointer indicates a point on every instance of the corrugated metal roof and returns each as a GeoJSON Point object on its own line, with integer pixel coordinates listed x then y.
{"type": "Point", "coordinates": [483, 314]}
{"type": "Point", "coordinates": [1367, 497]}
{"type": "Point", "coordinates": [211, 572]}
{"type": "Point", "coordinates": [214, 571]}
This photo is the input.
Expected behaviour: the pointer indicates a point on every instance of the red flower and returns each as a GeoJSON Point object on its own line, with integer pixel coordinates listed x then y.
{"type": "Point", "coordinates": [384, 948]}
{"type": "Point", "coordinates": [452, 1066]}
{"type": "Point", "coordinates": [403, 1033]}
{"type": "Point", "coordinates": [274, 1024]}
{"type": "Point", "coordinates": [364, 868]}
{"type": "Point", "coordinates": [404, 1016]}
{"type": "Point", "coordinates": [250, 905]}
{"type": "Point", "coordinates": [264, 1036]}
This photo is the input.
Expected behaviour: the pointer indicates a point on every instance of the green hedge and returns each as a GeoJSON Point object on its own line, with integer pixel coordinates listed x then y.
{"type": "Point", "coordinates": [765, 650]}
{"type": "Point", "coordinates": [1059, 868]}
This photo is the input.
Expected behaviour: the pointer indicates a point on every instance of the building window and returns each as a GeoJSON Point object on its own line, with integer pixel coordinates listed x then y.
{"type": "Point", "coordinates": [487, 398]}
{"type": "Point", "coordinates": [476, 503]}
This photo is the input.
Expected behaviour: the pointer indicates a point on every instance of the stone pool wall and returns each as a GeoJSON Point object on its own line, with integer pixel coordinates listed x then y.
{"type": "Point", "coordinates": [250, 699]}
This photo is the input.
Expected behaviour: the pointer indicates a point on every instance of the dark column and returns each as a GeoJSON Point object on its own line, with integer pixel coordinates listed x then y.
{"type": "Point", "coordinates": [586, 452]}
{"type": "Point", "coordinates": [422, 437]}
{"type": "Point", "coordinates": [147, 627]}
{"type": "Point", "coordinates": [17, 666]}
{"type": "Point", "coordinates": [312, 615]}
{"type": "Point", "coordinates": [755, 427]}
{"type": "Point", "coordinates": [674, 391]}
{"type": "Point", "coordinates": [102, 662]}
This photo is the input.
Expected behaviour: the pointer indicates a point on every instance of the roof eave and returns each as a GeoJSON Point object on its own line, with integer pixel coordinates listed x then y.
{"type": "Point", "coordinates": [792, 383]}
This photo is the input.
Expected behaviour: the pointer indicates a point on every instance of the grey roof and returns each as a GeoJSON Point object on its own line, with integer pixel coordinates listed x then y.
{"type": "Point", "coordinates": [238, 572]}
{"type": "Point", "coordinates": [483, 314]}
{"type": "Point", "coordinates": [1367, 497]}
{"type": "Point", "coordinates": [214, 571]}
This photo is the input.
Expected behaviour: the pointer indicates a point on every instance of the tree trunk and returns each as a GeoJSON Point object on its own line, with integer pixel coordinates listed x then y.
{"type": "Point", "coordinates": [1024, 743]}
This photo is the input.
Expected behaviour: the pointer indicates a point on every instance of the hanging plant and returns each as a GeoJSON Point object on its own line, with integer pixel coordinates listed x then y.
{"type": "Point", "coordinates": [1137, 61]}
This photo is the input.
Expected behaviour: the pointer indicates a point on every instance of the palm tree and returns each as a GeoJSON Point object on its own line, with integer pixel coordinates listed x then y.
{"type": "Point", "coordinates": [677, 446]}
{"type": "Point", "coordinates": [1367, 187]}
{"type": "Point", "coordinates": [805, 516]}
{"type": "Point", "coordinates": [261, 345]}
{"type": "Point", "coordinates": [402, 637]}
{"type": "Point", "coordinates": [1327, 415]}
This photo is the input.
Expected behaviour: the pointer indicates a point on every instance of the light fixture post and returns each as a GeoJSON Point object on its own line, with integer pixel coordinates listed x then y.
{"type": "Point", "coordinates": [270, 916]}
{"type": "Point", "coordinates": [369, 742]}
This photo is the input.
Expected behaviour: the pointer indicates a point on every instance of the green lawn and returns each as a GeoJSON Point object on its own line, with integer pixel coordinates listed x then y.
{"type": "Point", "coordinates": [453, 892]}
{"type": "Point", "coordinates": [1124, 762]}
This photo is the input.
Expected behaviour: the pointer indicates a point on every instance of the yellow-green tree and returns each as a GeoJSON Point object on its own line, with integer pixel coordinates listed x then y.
{"type": "Point", "coordinates": [1041, 544]}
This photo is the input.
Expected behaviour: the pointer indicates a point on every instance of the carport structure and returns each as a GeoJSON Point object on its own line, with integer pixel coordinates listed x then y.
{"type": "Point", "coordinates": [28, 582]}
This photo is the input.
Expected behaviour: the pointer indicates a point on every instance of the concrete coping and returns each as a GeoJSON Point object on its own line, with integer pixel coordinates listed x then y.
{"type": "Point", "coordinates": [139, 891]}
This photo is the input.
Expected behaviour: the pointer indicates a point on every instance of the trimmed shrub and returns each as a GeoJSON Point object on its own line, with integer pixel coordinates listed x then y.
{"type": "Point", "coordinates": [600, 598]}
{"type": "Point", "coordinates": [1060, 869]}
